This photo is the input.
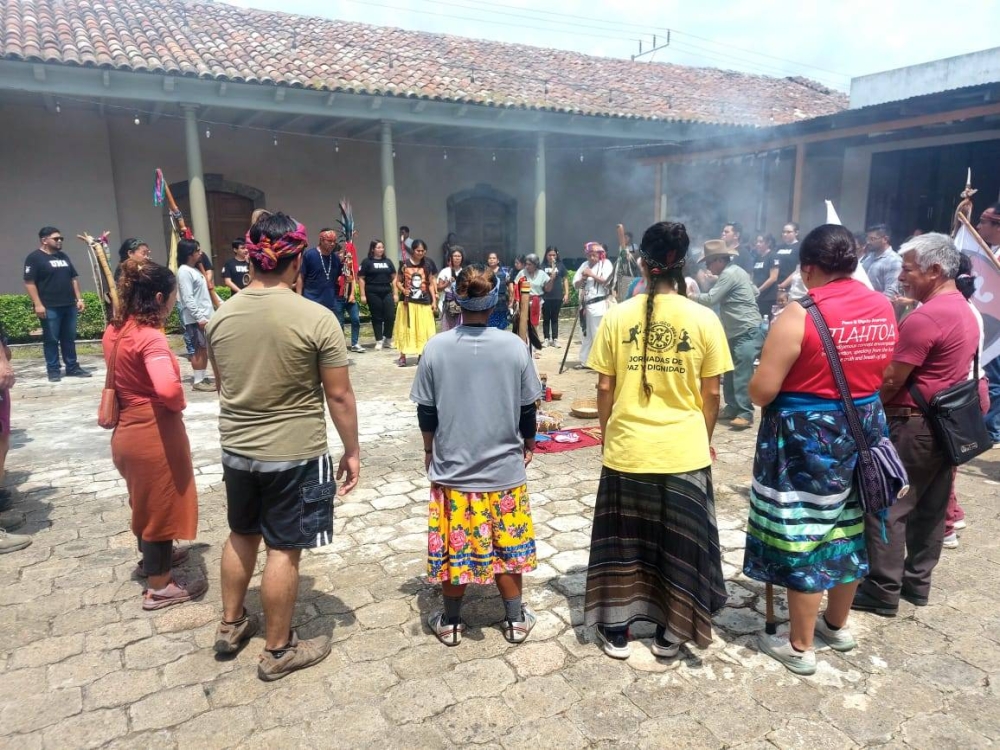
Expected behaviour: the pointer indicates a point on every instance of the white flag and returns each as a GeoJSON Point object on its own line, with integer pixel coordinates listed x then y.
{"type": "Point", "coordinates": [986, 298]}
{"type": "Point", "coordinates": [860, 274]}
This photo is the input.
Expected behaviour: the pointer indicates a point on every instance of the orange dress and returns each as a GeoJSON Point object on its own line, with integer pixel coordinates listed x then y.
{"type": "Point", "coordinates": [150, 445]}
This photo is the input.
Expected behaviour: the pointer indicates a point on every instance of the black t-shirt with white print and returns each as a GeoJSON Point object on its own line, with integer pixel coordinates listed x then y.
{"type": "Point", "coordinates": [377, 273]}
{"type": "Point", "coordinates": [53, 275]}
{"type": "Point", "coordinates": [237, 271]}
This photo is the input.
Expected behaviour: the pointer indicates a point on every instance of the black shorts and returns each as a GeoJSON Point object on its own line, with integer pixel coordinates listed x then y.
{"type": "Point", "coordinates": [290, 503]}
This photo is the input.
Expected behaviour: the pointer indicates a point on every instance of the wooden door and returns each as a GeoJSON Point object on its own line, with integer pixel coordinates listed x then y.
{"type": "Point", "coordinates": [481, 227]}
{"type": "Point", "coordinates": [228, 218]}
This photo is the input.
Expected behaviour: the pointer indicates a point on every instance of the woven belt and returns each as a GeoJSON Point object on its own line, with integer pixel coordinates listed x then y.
{"type": "Point", "coordinates": [902, 411]}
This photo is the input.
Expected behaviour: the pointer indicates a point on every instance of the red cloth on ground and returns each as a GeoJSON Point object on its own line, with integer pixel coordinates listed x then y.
{"type": "Point", "coordinates": [587, 440]}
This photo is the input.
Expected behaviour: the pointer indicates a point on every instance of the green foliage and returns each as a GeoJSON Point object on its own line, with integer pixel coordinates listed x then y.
{"type": "Point", "coordinates": [18, 317]}
{"type": "Point", "coordinates": [574, 293]}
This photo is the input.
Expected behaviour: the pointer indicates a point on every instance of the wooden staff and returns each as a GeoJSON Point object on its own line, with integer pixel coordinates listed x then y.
{"type": "Point", "coordinates": [524, 308]}
{"type": "Point", "coordinates": [770, 623]}
{"type": "Point", "coordinates": [102, 261]}
{"type": "Point", "coordinates": [572, 330]}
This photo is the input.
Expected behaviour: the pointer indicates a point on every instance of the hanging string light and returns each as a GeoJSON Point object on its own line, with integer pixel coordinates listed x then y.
{"type": "Point", "coordinates": [275, 139]}
{"type": "Point", "coordinates": [336, 147]}
{"type": "Point", "coordinates": [208, 132]}
{"type": "Point", "coordinates": [494, 156]}
{"type": "Point", "coordinates": [446, 154]}
{"type": "Point", "coordinates": [58, 107]}
{"type": "Point", "coordinates": [137, 121]}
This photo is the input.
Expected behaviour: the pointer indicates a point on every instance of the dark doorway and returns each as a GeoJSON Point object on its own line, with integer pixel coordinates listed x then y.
{"type": "Point", "coordinates": [919, 188]}
{"type": "Point", "coordinates": [485, 221]}
{"type": "Point", "coordinates": [228, 218]}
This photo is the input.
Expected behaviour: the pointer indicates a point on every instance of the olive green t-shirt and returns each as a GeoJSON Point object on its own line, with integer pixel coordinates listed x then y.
{"type": "Point", "coordinates": [268, 346]}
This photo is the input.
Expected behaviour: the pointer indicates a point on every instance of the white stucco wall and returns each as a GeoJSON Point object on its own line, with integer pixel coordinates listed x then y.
{"type": "Point", "coordinates": [54, 170]}
{"type": "Point", "coordinates": [86, 172]}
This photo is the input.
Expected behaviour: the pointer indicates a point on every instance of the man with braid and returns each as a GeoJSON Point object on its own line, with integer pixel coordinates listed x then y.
{"type": "Point", "coordinates": [278, 472]}
{"type": "Point", "coordinates": [654, 548]}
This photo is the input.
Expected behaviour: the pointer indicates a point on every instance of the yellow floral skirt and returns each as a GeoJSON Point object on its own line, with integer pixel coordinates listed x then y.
{"type": "Point", "coordinates": [413, 328]}
{"type": "Point", "coordinates": [472, 536]}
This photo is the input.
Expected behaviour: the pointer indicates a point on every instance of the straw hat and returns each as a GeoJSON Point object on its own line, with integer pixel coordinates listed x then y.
{"type": "Point", "coordinates": [715, 248]}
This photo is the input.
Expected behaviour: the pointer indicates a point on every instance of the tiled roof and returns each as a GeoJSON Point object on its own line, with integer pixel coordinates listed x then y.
{"type": "Point", "coordinates": [212, 40]}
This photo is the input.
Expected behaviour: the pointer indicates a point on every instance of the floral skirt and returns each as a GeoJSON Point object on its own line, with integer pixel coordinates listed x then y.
{"type": "Point", "coordinates": [472, 536]}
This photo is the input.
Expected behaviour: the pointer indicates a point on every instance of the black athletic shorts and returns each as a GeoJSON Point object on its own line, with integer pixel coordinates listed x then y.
{"type": "Point", "coordinates": [290, 503]}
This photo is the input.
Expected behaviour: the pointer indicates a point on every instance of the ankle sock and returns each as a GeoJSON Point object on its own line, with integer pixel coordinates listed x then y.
{"type": "Point", "coordinates": [453, 609]}
{"type": "Point", "coordinates": [514, 610]}
{"type": "Point", "coordinates": [829, 625]}
{"type": "Point", "coordinates": [199, 375]}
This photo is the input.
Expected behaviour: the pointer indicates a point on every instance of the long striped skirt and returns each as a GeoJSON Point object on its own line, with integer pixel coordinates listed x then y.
{"type": "Point", "coordinates": [806, 529]}
{"type": "Point", "coordinates": [654, 553]}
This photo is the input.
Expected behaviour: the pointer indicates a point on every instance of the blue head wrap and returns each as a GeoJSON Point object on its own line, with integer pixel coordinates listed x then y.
{"type": "Point", "coordinates": [478, 304]}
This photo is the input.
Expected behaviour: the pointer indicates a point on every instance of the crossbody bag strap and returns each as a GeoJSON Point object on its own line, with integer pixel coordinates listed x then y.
{"type": "Point", "coordinates": [109, 378]}
{"type": "Point", "coordinates": [853, 420]}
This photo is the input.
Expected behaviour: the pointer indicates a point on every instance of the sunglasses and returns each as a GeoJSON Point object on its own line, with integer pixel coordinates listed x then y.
{"type": "Point", "coordinates": [57, 239]}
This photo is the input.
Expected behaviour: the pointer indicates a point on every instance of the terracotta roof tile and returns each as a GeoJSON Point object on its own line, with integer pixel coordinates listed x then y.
{"type": "Point", "coordinates": [212, 40]}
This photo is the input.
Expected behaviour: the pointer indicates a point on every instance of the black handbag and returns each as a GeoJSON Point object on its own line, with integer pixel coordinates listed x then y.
{"type": "Point", "coordinates": [956, 417]}
{"type": "Point", "coordinates": [879, 474]}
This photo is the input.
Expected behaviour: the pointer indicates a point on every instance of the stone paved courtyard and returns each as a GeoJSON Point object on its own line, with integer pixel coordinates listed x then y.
{"type": "Point", "coordinates": [83, 666]}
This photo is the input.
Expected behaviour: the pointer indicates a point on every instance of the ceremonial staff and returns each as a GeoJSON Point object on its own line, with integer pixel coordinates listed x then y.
{"type": "Point", "coordinates": [105, 281]}
{"type": "Point", "coordinates": [179, 229]}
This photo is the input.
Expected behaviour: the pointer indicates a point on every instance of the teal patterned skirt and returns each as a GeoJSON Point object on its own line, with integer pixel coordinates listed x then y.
{"type": "Point", "coordinates": [806, 529]}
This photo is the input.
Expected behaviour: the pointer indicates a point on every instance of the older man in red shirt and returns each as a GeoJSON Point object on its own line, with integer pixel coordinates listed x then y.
{"type": "Point", "coordinates": [935, 349]}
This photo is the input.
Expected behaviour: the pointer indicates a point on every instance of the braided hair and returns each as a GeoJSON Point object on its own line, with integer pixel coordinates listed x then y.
{"type": "Point", "coordinates": [140, 282]}
{"type": "Point", "coordinates": [663, 250]}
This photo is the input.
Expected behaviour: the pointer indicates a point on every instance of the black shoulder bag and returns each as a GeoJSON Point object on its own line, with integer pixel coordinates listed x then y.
{"type": "Point", "coordinates": [879, 474]}
{"type": "Point", "coordinates": [956, 417]}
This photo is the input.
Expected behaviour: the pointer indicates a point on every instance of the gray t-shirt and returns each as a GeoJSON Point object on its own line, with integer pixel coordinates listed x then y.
{"type": "Point", "coordinates": [478, 379]}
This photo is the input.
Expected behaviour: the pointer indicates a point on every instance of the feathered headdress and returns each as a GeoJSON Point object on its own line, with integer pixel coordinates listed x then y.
{"type": "Point", "coordinates": [346, 221]}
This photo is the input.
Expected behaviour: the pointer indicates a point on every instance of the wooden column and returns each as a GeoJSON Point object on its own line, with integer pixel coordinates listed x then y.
{"type": "Point", "coordinates": [390, 227]}
{"type": "Point", "coordinates": [657, 191]}
{"type": "Point", "coordinates": [800, 163]}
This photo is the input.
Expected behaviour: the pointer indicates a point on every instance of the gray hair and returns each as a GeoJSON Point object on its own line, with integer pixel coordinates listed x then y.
{"type": "Point", "coordinates": [532, 259]}
{"type": "Point", "coordinates": [934, 249]}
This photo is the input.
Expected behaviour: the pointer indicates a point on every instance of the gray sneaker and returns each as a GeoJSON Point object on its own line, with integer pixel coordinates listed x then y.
{"type": "Point", "coordinates": [838, 640]}
{"type": "Point", "coordinates": [298, 655]}
{"type": "Point", "coordinates": [11, 520]}
{"type": "Point", "coordinates": [229, 638]}
{"type": "Point", "coordinates": [12, 542]}
{"type": "Point", "coordinates": [204, 387]}
{"type": "Point", "coordinates": [517, 631]}
{"type": "Point", "coordinates": [450, 634]}
{"type": "Point", "coordinates": [780, 649]}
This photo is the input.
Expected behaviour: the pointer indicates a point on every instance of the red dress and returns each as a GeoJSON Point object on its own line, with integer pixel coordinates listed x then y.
{"type": "Point", "coordinates": [150, 445]}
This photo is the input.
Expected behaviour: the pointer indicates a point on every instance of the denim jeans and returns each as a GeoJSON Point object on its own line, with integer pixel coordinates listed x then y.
{"type": "Point", "coordinates": [744, 350]}
{"type": "Point", "coordinates": [993, 415]}
{"type": "Point", "coordinates": [354, 311]}
{"type": "Point", "coordinates": [59, 332]}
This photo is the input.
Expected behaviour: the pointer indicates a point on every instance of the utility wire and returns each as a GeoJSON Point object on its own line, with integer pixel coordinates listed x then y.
{"type": "Point", "coordinates": [573, 20]}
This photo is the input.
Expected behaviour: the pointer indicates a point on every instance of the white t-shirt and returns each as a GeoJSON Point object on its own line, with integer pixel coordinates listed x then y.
{"type": "Point", "coordinates": [591, 289]}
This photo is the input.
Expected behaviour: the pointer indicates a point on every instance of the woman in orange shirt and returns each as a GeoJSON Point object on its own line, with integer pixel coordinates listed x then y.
{"type": "Point", "coordinates": [150, 446]}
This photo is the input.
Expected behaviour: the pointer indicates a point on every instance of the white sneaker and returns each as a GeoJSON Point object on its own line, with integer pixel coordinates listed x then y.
{"type": "Point", "coordinates": [388, 343]}
{"type": "Point", "coordinates": [449, 634]}
{"type": "Point", "coordinates": [779, 649]}
{"type": "Point", "coordinates": [357, 348]}
{"type": "Point", "coordinates": [838, 640]}
{"type": "Point", "coordinates": [614, 644]}
{"type": "Point", "coordinates": [378, 346]}
{"type": "Point", "coordinates": [951, 541]}
{"type": "Point", "coordinates": [959, 525]}
{"type": "Point", "coordinates": [554, 343]}
{"type": "Point", "coordinates": [517, 631]}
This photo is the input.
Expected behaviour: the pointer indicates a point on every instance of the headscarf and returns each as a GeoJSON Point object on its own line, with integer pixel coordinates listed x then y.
{"type": "Point", "coordinates": [602, 254]}
{"type": "Point", "coordinates": [267, 253]}
{"type": "Point", "coordinates": [478, 304]}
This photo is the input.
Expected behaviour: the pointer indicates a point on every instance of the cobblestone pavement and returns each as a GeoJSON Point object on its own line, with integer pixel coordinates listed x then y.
{"type": "Point", "coordinates": [83, 666]}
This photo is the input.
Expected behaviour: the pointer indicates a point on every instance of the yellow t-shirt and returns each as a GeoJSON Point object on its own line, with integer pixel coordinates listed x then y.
{"type": "Point", "coordinates": [666, 433]}
{"type": "Point", "coordinates": [269, 346]}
